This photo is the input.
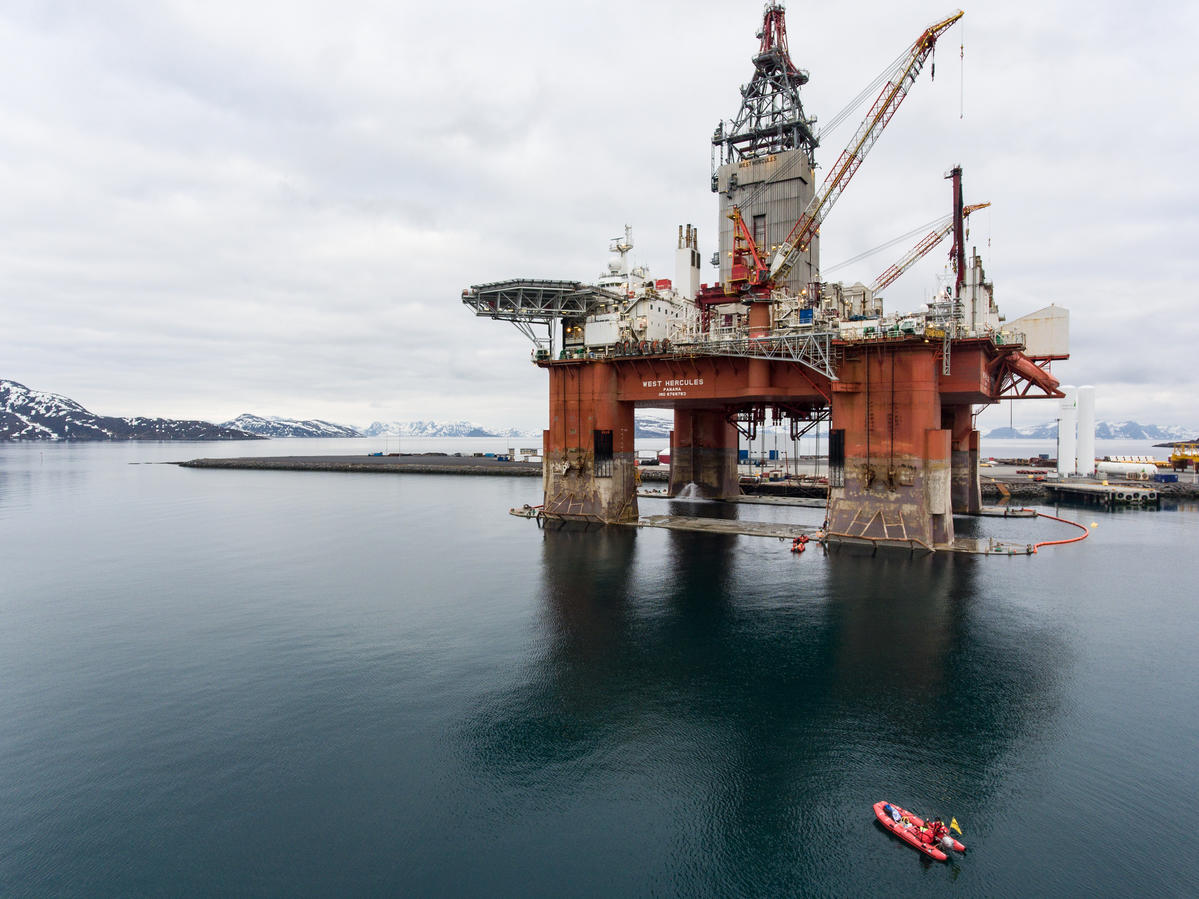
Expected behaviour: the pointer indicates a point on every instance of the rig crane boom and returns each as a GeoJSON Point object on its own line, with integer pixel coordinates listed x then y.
{"type": "Point", "coordinates": [922, 249]}
{"type": "Point", "coordinates": [903, 75]}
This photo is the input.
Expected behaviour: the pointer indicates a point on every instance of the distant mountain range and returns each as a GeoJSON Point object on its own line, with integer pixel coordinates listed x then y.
{"type": "Point", "coordinates": [274, 426]}
{"type": "Point", "coordinates": [653, 424]}
{"type": "Point", "coordinates": [1104, 430]}
{"type": "Point", "coordinates": [659, 423]}
{"type": "Point", "coordinates": [436, 429]}
{"type": "Point", "coordinates": [27, 414]}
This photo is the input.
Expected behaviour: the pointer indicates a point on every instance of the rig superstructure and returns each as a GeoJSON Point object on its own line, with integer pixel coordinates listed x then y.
{"type": "Point", "coordinates": [772, 341]}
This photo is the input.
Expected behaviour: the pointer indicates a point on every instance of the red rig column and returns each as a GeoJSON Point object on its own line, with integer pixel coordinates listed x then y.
{"type": "Point", "coordinates": [893, 484]}
{"type": "Point", "coordinates": [588, 449]}
{"type": "Point", "coordinates": [703, 451]}
{"type": "Point", "coordinates": [967, 493]}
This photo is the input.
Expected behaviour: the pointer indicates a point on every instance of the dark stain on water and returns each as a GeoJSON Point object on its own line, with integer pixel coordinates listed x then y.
{"type": "Point", "coordinates": [263, 682]}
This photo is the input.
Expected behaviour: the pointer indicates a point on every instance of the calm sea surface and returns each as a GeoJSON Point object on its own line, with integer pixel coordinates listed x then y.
{"type": "Point", "coordinates": [217, 682]}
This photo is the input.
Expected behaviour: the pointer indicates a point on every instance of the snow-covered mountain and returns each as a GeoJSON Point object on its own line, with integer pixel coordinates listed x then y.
{"type": "Point", "coordinates": [35, 415]}
{"type": "Point", "coordinates": [436, 429]}
{"type": "Point", "coordinates": [656, 423]}
{"type": "Point", "coordinates": [275, 426]}
{"type": "Point", "coordinates": [653, 424]}
{"type": "Point", "coordinates": [1104, 430]}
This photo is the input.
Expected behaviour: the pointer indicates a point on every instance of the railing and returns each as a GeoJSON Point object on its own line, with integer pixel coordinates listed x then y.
{"type": "Point", "coordinates": [813, 350]}
{"type": "Point", "coordinates": [534, 300]}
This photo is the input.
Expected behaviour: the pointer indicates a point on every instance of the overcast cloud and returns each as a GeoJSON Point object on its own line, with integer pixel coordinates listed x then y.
{"type": "Point", "coordinates": [212, 208]}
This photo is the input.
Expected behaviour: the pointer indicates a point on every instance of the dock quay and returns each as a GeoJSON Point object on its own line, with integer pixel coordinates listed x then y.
{"type": "Point", "coordinates": [1105, 494]}
{"type": "Point", "coordinates": [1019, 489]}
{"type": "Point", "coordinates": [416, 463]}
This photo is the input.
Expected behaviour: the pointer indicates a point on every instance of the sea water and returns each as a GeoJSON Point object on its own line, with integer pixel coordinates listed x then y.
{"type": "Point", "coordinates": [218, 682]}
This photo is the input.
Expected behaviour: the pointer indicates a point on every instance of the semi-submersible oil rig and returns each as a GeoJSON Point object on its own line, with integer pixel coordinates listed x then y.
{"type": "Point", "coordinates": [773, 342]}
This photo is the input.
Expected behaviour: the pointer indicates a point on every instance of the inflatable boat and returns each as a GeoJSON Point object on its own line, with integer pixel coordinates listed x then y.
{"type": "Point", "coordinates": [908, 829]}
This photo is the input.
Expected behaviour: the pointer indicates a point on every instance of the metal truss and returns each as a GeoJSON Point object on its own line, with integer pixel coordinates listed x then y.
{"type": "Point", "coordinates": [812, 350]}
{"type": "Point", "coordinates": [530, 302]}
{"type": "Point", "coordinates": [536, 301]}
{"type": "Point", "coordinates": [801, 426]}
{"type": "Point", "coordinates": [1015, 376]}
{"type": "Point", "coordinates": [771, 118]}
{"type": "Point", "coordinates": [801, 418]}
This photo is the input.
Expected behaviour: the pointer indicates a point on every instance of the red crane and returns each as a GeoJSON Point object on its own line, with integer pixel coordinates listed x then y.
{"type": "Point", "coordinates": [922, 249]}
{"type": "Point", "coordinates": [749, 272]}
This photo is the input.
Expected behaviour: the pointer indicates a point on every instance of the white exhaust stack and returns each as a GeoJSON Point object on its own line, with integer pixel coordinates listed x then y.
{"type": "Point", "coordinates": [1066, 420]}
{"type": "Point", "coordinates": [686, 263]}
{"type": "Point", "coordinates": [1086, 430]}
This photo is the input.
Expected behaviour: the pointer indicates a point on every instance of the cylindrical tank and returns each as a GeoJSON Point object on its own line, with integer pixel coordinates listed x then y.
{"type": "Point", "coordinates": [1067, 418]}
{"type": "Point", "coordinates": [1086, 430]}
{"type": "Point", "coordinates": [1135, 471]}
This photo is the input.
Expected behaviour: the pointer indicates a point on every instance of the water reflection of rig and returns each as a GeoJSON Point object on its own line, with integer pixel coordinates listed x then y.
{"type": "Point", "coordinates": [772, 339]}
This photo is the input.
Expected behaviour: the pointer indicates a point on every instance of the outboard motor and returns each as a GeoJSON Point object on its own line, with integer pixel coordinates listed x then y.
{"type": "Point", "coordinates": [947, 842]}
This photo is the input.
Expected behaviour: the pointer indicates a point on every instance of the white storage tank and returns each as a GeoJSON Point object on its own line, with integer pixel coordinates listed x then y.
{"type": "Point", "coordinates": [1066, 420]}
{"type": "Point", "coordinates": [1132, 471]}
{"type": "Point", "coordinates": [1086, 430]}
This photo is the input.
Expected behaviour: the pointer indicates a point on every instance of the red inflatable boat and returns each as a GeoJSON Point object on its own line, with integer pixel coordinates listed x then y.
{"type": "Point", "coordinates": [908, 830]}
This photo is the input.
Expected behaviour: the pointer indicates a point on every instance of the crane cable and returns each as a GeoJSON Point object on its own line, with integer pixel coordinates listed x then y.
{"type": "Point", "coordinates": [846, 111]}
{"type": "Point", "coordinates": [962, 77]}
{"type": "Point", "coordinates": [907, 235]}
{"type": "Point", "coordinates": [870, 89]}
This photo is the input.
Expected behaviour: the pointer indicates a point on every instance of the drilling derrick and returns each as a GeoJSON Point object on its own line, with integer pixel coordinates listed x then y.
{"type": "Point", "coordinates": [762, 161]}
{"type": "Point", "coordinates": [771, 118]}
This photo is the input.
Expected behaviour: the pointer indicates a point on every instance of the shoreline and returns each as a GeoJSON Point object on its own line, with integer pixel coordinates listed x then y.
{"type": "Point", "coordinates": [436, 463]}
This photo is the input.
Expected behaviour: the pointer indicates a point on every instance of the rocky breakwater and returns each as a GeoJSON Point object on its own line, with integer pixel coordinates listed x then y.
{"type": "Point", "coordinates": [1016, 489]}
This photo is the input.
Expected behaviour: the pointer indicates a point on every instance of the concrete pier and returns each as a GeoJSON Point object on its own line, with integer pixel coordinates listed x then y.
{"type": "Point", "coordinates": [1104, 494]}
{"type": "Point", "coordinates": [425, 463]}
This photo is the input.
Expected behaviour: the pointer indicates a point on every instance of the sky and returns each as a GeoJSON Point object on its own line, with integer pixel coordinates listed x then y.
{"type": "Point", "coordinates": [216, 207]}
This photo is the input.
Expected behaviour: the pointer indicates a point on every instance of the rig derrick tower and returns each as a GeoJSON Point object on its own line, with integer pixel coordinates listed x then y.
{"type": "Point", "coordinates": [763, 160]}
{"type": "Point", "coordinates": [771, 118]}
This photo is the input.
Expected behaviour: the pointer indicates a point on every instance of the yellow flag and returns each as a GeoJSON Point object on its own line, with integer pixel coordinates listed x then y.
{"type": "Point", "coordinates": [953, 825]}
